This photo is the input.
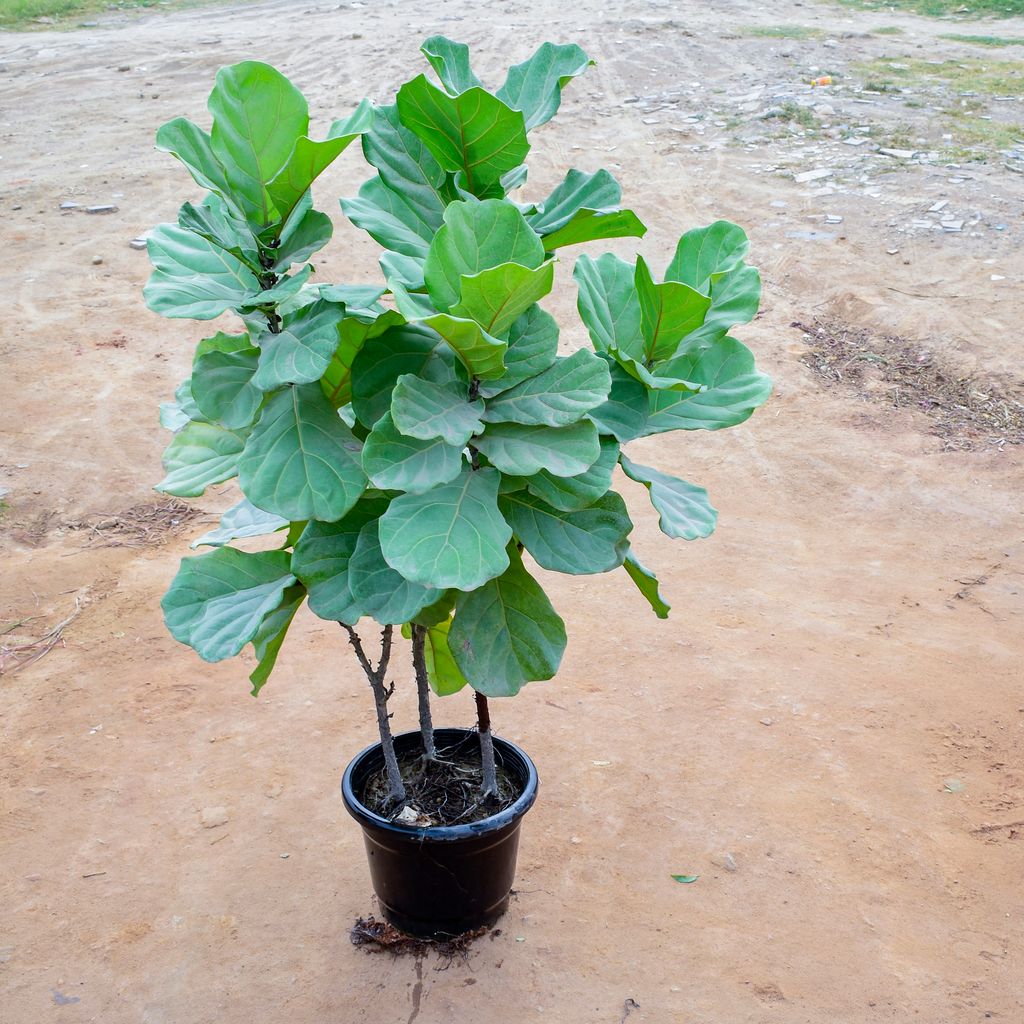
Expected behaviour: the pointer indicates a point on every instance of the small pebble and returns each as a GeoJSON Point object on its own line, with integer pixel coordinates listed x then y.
{"type": "Point", "coordinates": [108, 208]}
{"type": "Point", "coordinates": [97, 260]}
{"type": "Point", "coordinates": [767, 721]}
{"type": "Point", "coordinates": [69, 205]}
{"type": "Point", "coordinates": [213, 817]}
{"type": "Point", "coordinates": [285, 856]}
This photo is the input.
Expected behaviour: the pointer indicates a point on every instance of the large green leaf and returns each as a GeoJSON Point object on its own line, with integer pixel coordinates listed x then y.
{"type": "Point", "coordinates": [193, 277]}
{"type": "Point", "coordinates": [496, 298]}
{"type": "Point", "coordinates": [683, 508]}
{"type": "Point", "coordinates": [179, 413]}
{"type": "Point", "coordinates": [395, 462]}
{"type": "Point", "coordinates": [300, 461]}
{"type": "Point", "coordinates": [521, 449]}
{"type": "Point", "coordinates": [506, 633]}
{"type": "Point", "coordinates": [647, 583]}
{"type": "Point", "coordinates": [570, 493]}
{"type": "Point", "coordinates": [590, 225]}
{"type": "Point", "coordinates": [472, 133]}
{"type": "Point", "coordinates": [305, 232]}
{"type": "Point", "coordinates": [449, 536]}
{"type": "Point", "coordinates": [257, 117]}
{"type": "Point", "coordinates": [482, 355]}
{"type": "Point", "coordinates": [270, 636]}
{"type": "Point", "coordinates": [321, 561]}
{"type": "Point", "coordinates": [214, 220]}
{"type": "Point", "coordinates": [285, 288]}
{"type": "Point", "coordinates": [450, 61]}
{"type": "Point", "coordinates": [217, 601]}
{"type": "Point", "coordinates": [581, 542]}
{"type": "Point", "coordinates": [200, 454]}
{"type": "Point", "coordinates": [578, 191]}
{"type": "Point", "coordinates": [475, 237]}
{"type": "Point", "coordinates": [302, 349]}
{"type": "Point", "coordinates": [535, 86]}
{"type": "Point", "coordinates": [381, 592]}
{"type": "Point", "coordinates": [668, 313]}
{"type": "Point", "coordinates": [442, 672]}
{"type": "Point", "coordinates": [309, 159]}
{"type": "Point", "coordinates": [608, 303]}
{"type": "Point", "coordinates": [241, 520]}
{"type": "Point", "coordinates": [561, 394]}
{"type": "Point", "coordinates": [390, 218]}
{"type": "Point", "coordinates": [704, 253]}
{"type": "Point", "coordinates": [354, 333]}
{"type": "Point", "coordinates": [532, 348]}
{"type": "Point", "coordinates": [191, 145]}
{"type": "Point", "coordinates": [409, 348]}
{"type": "Point", "coordinates": [624, 415]}
{"type": "Point", "coordinates": [735, 296]}
{"type": "Point", "coordinates": [734, 389]}
{"type": "Point", "coordinates": [406, 167]}
{"type": "Point", "coordinates": [222, 386]}
{"type": "Point", "coordinates": [422, 409]}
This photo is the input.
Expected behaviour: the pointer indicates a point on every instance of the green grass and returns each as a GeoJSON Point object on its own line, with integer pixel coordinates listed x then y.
{"type": "Point", "coordinates": [781, 31]}
{"type": "Point", "coordinates": [940, 8]}
{"type": "Point", "coordinates": [997, 78]}
{"type": "Point", "coordinates": [985, 40]}
{"type": "Point", "coordinates": [888, 30]}
{"type": "Point", "coordinates": [70, 13]}
{"type": "Point", "coordinates": [794, 113]}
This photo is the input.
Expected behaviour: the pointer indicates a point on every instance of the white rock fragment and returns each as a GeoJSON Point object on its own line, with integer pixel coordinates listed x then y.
{"type": "Point", "coordinates": [816, 175]}
{"type": "Point", "coordinates": [213, 817]}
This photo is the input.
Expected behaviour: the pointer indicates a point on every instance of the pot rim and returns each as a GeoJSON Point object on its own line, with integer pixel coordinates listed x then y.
{"type": "Point", "coordinates": [508, 816]}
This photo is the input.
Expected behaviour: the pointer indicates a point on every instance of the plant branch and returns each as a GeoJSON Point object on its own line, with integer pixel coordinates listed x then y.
{"type": "Point", "coordinates": [489, 789]}
{"type": "Point", "coordinates": [381, 693]}
{"type": "Point", "coordinates": [419, 664]}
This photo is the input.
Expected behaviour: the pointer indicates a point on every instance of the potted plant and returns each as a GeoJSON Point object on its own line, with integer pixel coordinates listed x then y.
{"type": "Point", "coordinates": [414, 445]}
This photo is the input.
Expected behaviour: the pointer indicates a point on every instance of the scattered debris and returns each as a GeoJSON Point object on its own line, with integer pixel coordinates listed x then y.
{"type": "Point", "coordinates": [965, 409]}
{"type": "Point", "coordinates": [727, 861]}
{"type": "Point", "coordinates": [69, 205]}
{"type": "Point", "coordinates": [380, 937]}
{"type": "Point", "coordinates": [685, 879]}
{"type": "Point", "coordinates": [139, 242]}
{"type": "Point", "coordinates": [953, 786]}
{"type": "Point", "coordinates": [97, 261]}
{"type": "Point", "coordinates": [107, 208]}
{"type": "Point", "coordinates": [139, 526]}
{"type": "Point", "coordinates": [939, 206]}
{"type": "Point", "coordinates": [815, 175]}
{"type": "Point", "coordinates": [628, 1007]}
{"type": "Point", "coordinates": [17, 654]}
{"type": "Point", "coordinates": [899, 154]}
{"type": "Point", "coordinates": [213, 817]}
{"type": "Point", "coordinates": [58, 997]}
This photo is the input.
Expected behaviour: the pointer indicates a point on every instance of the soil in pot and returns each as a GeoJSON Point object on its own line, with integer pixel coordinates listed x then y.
{"type": "Point", "coordinates": [445, 791]}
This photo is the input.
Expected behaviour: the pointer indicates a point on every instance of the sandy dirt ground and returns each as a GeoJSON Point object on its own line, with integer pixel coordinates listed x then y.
{"type": "Point", "coordinates": [829, 730]}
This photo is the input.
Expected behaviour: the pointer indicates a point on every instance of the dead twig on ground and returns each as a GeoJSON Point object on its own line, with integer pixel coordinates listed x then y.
{"type": "Point", "coordinates": [140, 526]}
{"type": "Point", "coordinates": [15, 656]}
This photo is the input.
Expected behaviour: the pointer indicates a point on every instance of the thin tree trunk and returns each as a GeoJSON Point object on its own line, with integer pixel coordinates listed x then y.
{"type": "Point", "coordinates": [489, 789]}
{"type": "Point", "coordinates": [381, 694]}
{"type": "Point", "coordinates": [419, 664]}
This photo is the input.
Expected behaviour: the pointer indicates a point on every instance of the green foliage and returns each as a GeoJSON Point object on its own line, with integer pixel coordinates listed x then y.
{"type": "Point", "coordinates": [407, 443]}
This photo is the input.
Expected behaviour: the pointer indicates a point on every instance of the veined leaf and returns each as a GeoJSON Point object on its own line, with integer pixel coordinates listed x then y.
{"type": "Point", "coordinates": [482, 355]}
{"type": "Point", "coordinates": [257, 116]}
{"type": "Point", "coordinates": [477, 236]}
{"type": "Point", "coordinates": [734, 389]}
{"type": "Point", "coordinates": [450, 536]}
{"type": "Point", "coordinates": [390, 218]}
{"type": "Point", "coordinates": [581, 542]}
{"type": "Point", "coordinates": [579, 190]}
{"type": "Point", "coordinates": [523, 449]}
{"type": "Point", "coordinates": [321, 561]}
{"type": "Point", "coordinates": [218, 600]}
{"type": "Point", "coordinates": [270, 636]}
{"type": "Point", "coordinates": [305, 232]}
{"type": "Point", "coordinates": [300, 461]}
{"type": "Point", "coordinates": [394, 462]}
{"type": "Point", "coordinates": [624, 415]}
{"type": "Point", "coordinates": [193, 277]}
{"type": "Point", "coordinates": [191, 145]}
{"type": "Point", "coordinates": [285, 288]}
{"type": "Point", "coordinates": [302, 350]}
{"type": "Point", "coordinates": [410, 348]}
{"type": "Point", "coordinates": [570, 493]}
{"type": "Point", "coordinates": [450, 61]}
{"type": "Point", "coordinates": [684, 508]}
{"type": "Point", "coordinates": [436, 612]}
{"type": "Point", "coordinates": [473, 132]}
{"type": "Point", "coordinates": [532, 348]}
{"type": "Point", "coordinates": [241, 520]}
{"type": "Point", "coordinates": [590, 225]}
{"type": "Point", "coordinates": [422, 409]}
{"type": "Point", "coordinates": [442, 672]}
{"type": "Point", "coordinates": [668, 313]}
{"type": "Point", "coordinates": [608, 303]}
{"type": "Point", "coordinates": [381, 592]}
{"type": "Point", "coordinates": [506, 633]}
{"type": "Point", "coordinates": [215, 221]}
{"type": "Point", "coordinates": [495, 298]}
{"type": "Point", "coordinates": [353, 332]}
{"type": "Point", "coordinates": [358, 299]}
{"type": "Point", "coordinates": [535, 86]}
{"type": "Point", "coordinates": [560, 395]}
{"type": "Point", "coordinates": [222, 385]}
{"type": "Point", "coordinates": [704, 253]}
{"type": "Point", "coordinates": [200, 454]}
{"type": "Point", "coordinates": [647, 583]}
{"type": "Point", "coordinates": [735, 296]}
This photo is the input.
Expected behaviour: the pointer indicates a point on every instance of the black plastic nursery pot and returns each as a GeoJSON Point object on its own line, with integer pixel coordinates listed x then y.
{"type": "Point", "coordinates": [442, 881]}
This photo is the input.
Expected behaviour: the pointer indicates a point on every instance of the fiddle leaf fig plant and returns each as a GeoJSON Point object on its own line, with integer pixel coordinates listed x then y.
{"type": "Point", "coordinates": [418, 444]}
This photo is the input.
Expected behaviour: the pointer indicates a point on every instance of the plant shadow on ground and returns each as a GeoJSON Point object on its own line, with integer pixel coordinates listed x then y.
{"type": "Point", "coordinates": [967, 411]}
